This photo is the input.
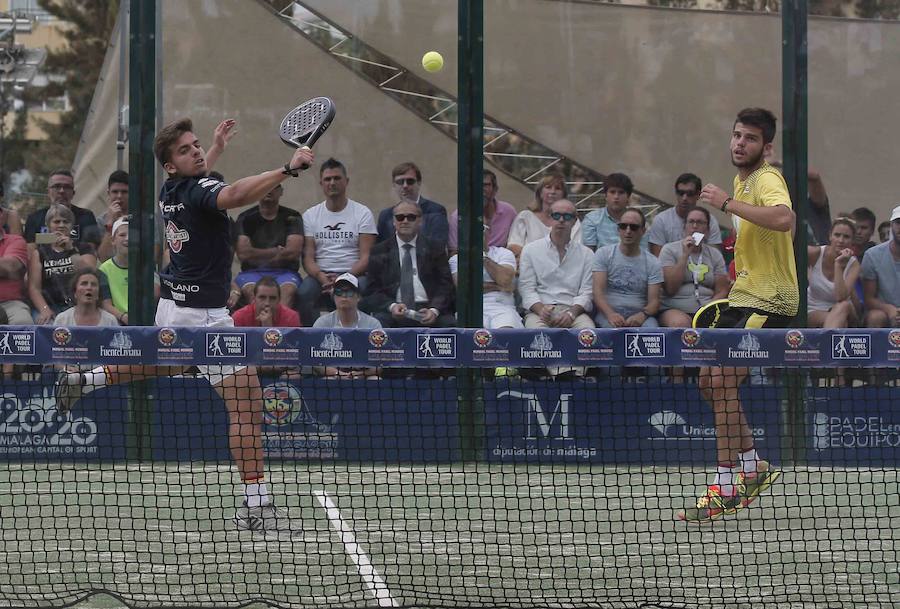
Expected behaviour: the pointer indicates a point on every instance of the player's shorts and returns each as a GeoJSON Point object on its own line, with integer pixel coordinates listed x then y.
{"type": "Point", "coordinates": [281, 277]}
{"type": "Point", "coordinates": [170, 314]}
{"type": "Point", "coordinates": [746, 317]}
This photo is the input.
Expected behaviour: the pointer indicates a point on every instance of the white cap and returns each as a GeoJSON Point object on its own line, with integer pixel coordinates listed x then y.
{"type": "Point", "coordinates": [349, 278]}
{"type": "Point", "coordinates": [123, 221]}
{"type": "Point", "coordinates": [895, 215]}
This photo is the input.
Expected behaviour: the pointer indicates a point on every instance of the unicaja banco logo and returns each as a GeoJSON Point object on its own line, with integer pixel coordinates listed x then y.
{"type": "Point", "coordinates": [664, 421]}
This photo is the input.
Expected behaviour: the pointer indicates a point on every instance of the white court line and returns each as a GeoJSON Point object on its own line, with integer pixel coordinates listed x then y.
{"type": "Point", "coordinates": [363, 565]}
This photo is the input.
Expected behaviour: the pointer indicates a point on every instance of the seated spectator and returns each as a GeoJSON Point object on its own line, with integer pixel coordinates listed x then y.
{"type": "Point", "coordinates": [555, 279]}
{"type": "Point", "coordinates": [114, 275]}
{"type": "Point", "coordinates": [884, 232]}
{"type": "Point", "coordinates": [339, 234]}
{"type": "Point", "coordinates": [693, 275]}
{"type": "Point", "coordinates": [61, 191]}
{"type": "Point", "coordinates": [833, 271]}
{"type": "Point", "coordinates": [409, 277]}
{"type": "Point", "coordinates": [534, 223]}
{"type": "Point", "coordinates": [601, 225]}
{"type": "Point", "coordinates": [86, 310]}
{"type": "Point", "coordinates": [347, 315]}
{"type": "Point", "coordinates": [881, 280]}
{"type": "Point", "coordinates": [407, 180]}
{"type": "Point", "coordinates": [269, 244]}
{"type": "Point", "coordinates": [498, 214]}
{"type": "Point", "coordinates": [864, 219]}
{"type": "Point", "coordinates": [499, 277]}
{"type": "Point", "coordinates": [266, 310]}
{"type": "Point", "coordinates": [627, 279]}
{"type": "Point", "coordinates": [51, 266]}
{"type": "Point", "coordinates": [13, 263]}
{"type": "Point", "coordinates": [669, 226]}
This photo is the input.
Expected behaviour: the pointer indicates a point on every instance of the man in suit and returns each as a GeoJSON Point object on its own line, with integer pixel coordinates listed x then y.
{"type": "Point", "coordinates": [407, 181]}
{"type": "Point", "coordinates": [409, 277]}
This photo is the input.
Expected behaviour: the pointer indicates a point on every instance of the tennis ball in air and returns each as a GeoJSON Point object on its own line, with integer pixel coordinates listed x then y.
{"type": "Point", "coordinates": [432, 61]}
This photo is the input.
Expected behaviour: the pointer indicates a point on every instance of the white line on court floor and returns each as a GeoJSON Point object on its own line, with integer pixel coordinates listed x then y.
{"type": "Point", "coordinates": [363, 565]}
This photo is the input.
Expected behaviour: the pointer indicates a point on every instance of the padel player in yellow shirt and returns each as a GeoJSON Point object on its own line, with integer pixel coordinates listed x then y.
{"type": "Point", "coordinates": [764, 295]}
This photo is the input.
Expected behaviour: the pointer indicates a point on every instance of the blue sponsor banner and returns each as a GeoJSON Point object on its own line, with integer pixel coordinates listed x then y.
{"type": "Point", "coordinates": [853, 427]}
{"type": "Point", "coordinates": [454, 347]}
{"type": "Point", "coordinates": [32, 429]}
{"type": "Point", "coordinates": [657, 424]}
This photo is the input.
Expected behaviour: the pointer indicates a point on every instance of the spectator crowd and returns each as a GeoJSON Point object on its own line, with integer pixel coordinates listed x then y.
{"type": "Point", "coordinates": [336, 265]}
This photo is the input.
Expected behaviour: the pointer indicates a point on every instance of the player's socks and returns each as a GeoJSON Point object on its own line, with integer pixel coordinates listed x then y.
{"type": "Point", "coordinates": [749, 462]}
{"type": "Point", "coordinates": [725, 479]}
{"type": "Point", "coordinates": [256, 493]}
{"type": "Point", "coordinates": [96, 378]}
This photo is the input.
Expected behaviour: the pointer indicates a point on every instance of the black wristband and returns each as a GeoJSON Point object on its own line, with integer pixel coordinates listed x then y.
{"type": "Point", "coordinates": [725, 204]}
{"type": "Point", "coordinates": [288, 171]}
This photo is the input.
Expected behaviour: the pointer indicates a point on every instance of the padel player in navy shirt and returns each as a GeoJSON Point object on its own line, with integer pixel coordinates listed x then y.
{"type": "Point", "coordinates": [194, 289]}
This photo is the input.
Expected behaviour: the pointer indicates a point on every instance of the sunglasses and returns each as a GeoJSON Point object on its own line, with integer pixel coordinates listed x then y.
{"type": "Point", "coordinates": [564, 216]}
{"type": "Point", "coordinates": [405, 181]}
{"type": "Point", "coordinates": [686, 193]}
{"type": "Point", "coordinates": [406, 217]}
{"type": "Point", "coordinates": [344, 292]}
{"type": "Point", "coordinates": [628, 226]}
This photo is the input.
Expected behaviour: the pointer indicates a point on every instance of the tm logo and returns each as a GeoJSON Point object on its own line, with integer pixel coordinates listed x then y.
{"type": "Point", "coordinates": [537, 423]}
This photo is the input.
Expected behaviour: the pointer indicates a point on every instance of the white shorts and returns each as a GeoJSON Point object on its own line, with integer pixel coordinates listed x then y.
{"type": "Point", "coordinates": [495, 315]}
{"type": "Point", "coordinates": [170, 314]}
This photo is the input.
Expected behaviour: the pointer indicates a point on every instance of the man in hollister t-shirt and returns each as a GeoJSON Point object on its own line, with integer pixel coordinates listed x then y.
{"type": "Point", "coordinates": [194, 289]}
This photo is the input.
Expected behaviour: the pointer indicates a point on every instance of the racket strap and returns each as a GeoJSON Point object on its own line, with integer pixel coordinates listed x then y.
{"type": "Point", "coordinates": [289, 171]}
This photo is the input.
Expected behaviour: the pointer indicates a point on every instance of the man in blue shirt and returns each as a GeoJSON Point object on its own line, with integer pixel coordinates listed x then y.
{"type": "Point", "coordinates": [194, 289]}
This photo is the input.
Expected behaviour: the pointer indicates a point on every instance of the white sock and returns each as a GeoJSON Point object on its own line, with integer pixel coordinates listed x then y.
{"type": "Point", "coordinates": [256, 493]}
{"type": "Point", "coordinates": [725, 479]}
{"type": "Point", "coordinates": [749, 462]}
{"type": "Point", "coordinates": [94, 379]}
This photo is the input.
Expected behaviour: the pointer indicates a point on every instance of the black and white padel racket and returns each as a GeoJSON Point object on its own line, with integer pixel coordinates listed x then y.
{"type": "Point", "coordinates": [305, 124]}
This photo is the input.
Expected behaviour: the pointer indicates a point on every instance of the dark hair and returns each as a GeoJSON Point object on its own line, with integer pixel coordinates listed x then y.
{"type": "Point", "coordinates": [689, 178]}
{"type": "Point", "coordinates": [619, 180]}
{"type": "Point", "coordinates": [81, 273]}
{"type": "Point", "coordinates": [333, 163]}
{"type": "Point", "coordinates": [492, 176]}
{"type": "Point", "coordinates": [639, 212]}
{"type": "Point", "coordinates": [885, 224]}
{"type": "Point", "coordinates": [846, 222]}
{"type": "Point", "coordinates": [551, 179]}
{"type": "Point", "coordinates": [216, 176]}
{"type": "Point", "coordinates": [702, 210]}
{"type": "Point", "coordinates": [117, 177]}
{"type": "Point", "coordinates": [266, 281]}
{"type": "Point", "coordinates": [404, 167]}
{"type": "Point", "coordinates": [863, 213]}
{"type": "Point", "coordinates": [167, 136]}
{"type": "Point", "coordinates": [760, 118]}
{"type": "Point", "coordinates": [61, 172]}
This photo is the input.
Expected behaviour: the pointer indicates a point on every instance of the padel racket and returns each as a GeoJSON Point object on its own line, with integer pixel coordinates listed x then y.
{"type": "Point", "coordinates": [305, 124]}
{"type": "Point", "coordinates": [708, 315]}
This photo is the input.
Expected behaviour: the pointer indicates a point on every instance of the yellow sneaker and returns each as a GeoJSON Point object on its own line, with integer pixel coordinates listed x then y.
{"type": "Point", "coordinates": [711, 506]}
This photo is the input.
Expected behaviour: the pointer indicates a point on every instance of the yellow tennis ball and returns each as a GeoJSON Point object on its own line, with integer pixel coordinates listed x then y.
{"type": "Point", "coordinates": [432, 61]}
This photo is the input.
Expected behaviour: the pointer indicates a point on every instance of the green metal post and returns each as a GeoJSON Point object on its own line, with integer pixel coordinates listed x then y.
{"type": "Point", "coordinates": [470, 206]}
{"type": "Point", "coordinates": [142, 197]}
{"type": "Point", "coordinates": [795, 110]}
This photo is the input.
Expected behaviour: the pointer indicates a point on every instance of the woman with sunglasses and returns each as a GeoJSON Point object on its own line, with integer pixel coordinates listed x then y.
{"type": "Point", "coordinates": [694, 272]}
{"type": "Point", "coordinates": [627, 278]}
{"type": "Point", "coordinates": [535, 222]}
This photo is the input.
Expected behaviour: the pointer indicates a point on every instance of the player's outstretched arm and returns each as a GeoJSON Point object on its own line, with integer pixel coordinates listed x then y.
{"type": "Point", "coordinates": [249, 190]}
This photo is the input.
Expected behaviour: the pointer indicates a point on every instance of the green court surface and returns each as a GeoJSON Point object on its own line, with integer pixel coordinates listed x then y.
{"type": "Point", "coordinates": [444, 535]}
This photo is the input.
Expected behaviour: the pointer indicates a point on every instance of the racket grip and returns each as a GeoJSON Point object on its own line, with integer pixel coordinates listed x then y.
{"type": "Point", "coordinates": [304, 166]}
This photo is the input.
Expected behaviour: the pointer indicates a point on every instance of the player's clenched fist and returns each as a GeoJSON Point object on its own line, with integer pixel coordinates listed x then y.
{"type": "Point", "coordinates": [303, 159]}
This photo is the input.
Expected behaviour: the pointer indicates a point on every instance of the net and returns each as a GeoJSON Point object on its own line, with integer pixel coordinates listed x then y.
{"type": "Point", "coordinates": [450, 482]}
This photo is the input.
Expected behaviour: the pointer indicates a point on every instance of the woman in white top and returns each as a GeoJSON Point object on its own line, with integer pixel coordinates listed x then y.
{"type": "Point", "coordinates": [87, 311]}
{"type": "Point", "coordinates": [832, 272]}
{"type": "Point", "coordinates": [535, 222]}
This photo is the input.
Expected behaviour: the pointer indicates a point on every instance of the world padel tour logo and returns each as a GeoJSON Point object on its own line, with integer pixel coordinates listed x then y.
{"type": "Point", "coordinates": [435, 346]}
{"type": "Point", "coordinates": [749, 347]}
{"type": "Point", "coordinates": [282, 404]}
{"type": "Point", "coordinates": [167, 337]}
{"type": "Point", "coordinates": [62, 336]}
{"type": "Point", "coordinates": [17, 343]}
{"type": "Point", "coordinates": [482, 338]}
{"type": "Point", "coordinates": [331, 346]}
{"type": "Point", "coordinates": [851, 346]}
{"type": "Point", "coordinates": [273, 337]}
{"type": "Point", "coordinates": [226, 344]}
{"type": "Point", "coordinates": [644, 345]}
{"type": "Point", "coordinates": [541, 347]}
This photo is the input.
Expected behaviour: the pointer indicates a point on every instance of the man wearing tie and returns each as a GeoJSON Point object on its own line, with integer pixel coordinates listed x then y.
{"type": "Point", "coordinates": [409, 277]}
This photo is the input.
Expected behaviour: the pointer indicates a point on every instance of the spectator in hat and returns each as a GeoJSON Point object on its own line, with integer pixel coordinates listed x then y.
{"type": "Point", "coordinates": [347, 315]}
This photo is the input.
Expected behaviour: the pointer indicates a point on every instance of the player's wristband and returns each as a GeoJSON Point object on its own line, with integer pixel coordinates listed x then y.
{"type": "Point", "coordinates": [289, 171]}
{"type": "Point", "coordinates": [725, 204]}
